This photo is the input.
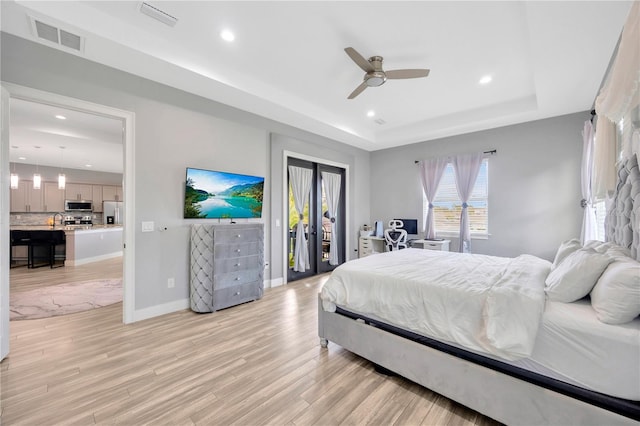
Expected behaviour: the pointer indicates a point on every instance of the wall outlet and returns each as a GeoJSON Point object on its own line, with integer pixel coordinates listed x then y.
{"type": "Point", "coordinates": [147, 226]}
{"type": "Point", "coordinates": [171, 283]}
{"type": "Point", "coordinates": [266, 265]}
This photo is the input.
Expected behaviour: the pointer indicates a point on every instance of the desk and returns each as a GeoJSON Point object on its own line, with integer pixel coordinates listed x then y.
{"type": "Point", "coordinates": [442, 245]}
{"type": "Point", "coordinates": [370, 245]}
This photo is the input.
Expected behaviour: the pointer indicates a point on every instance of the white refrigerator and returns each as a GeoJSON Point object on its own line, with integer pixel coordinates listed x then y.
{"type": "Point", "coordinates": [112, 212]}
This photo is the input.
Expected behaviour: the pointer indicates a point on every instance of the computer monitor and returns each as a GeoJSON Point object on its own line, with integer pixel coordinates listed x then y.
{"type": "Point", "coordinates": [410, 225]}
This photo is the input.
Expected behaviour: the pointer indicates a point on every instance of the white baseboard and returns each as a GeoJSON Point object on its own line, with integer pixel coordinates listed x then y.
{"type": "Point", "coordinates": [155, 311]}
{"type": "Point", "coordinates": [277, 282]}
{"type": "Point", "coordinates": [79, 262]}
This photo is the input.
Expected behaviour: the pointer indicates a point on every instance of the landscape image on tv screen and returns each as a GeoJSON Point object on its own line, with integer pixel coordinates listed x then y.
{"type": "Point", "coordinates": [215, 195]}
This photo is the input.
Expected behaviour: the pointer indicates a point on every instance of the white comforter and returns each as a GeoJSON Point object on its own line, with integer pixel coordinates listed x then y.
{"type": "Point", "coordinates": [484, 303]}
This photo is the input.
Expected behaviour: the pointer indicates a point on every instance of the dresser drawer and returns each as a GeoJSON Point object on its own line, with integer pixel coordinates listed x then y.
{"type": "Point", "coordinates": [234, 264]}
{"type": "Point", "coordinates": [230, 296]}
{"type": "Point", "coordinates": [225, 251]}
{"type": "Point", "coordinates": [441, 245]}
{"type": "Point", "coordinates": [236, 278]}
{"type": "Point", "coordinates": [237, 235]}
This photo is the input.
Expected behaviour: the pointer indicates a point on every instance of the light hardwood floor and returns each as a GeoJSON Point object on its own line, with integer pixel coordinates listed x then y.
{"type": "Point", "coordinates": [23, 278]}
{"type": "Point", "coordinates": [257, 363]}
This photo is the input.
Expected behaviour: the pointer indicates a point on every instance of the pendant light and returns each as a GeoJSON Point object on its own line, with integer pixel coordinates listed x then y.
{"type": "Point", "coordinates": [37, 179]}
{"type": "Point", "coordinates": [14, 178]}
{"type": "Point", "coordinates": [62, 180]}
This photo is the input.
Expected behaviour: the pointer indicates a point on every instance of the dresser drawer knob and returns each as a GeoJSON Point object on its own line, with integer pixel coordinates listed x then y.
{"type": "Point", "coordinates": [238, 235]}
{"type": "Point", "coordinates": [237, 264]}
{"type": "Point", "coordinates": [237, 278]}
{"type": "Point", "coordinates": [238, 251]}
{"type": "Point", "coordinates": [237, 293]}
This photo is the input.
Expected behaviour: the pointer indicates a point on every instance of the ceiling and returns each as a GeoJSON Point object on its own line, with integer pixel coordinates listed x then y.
{"type": "Point", "coordinates": [79, 141]}
{"type": "Point", "coordinates": [287, 61]}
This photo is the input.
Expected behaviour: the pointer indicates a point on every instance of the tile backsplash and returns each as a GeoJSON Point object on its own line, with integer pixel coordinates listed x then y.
{"type": "Point", "coordinates": [31, 219]}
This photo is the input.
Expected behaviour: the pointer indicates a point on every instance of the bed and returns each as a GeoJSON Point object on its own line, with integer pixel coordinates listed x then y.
{"type": "Point", "coordinates": [497, 334]}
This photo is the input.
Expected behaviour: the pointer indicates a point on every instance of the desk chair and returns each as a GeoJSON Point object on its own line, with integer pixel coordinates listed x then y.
{"type": "Point", "coordinates": [396, 239]}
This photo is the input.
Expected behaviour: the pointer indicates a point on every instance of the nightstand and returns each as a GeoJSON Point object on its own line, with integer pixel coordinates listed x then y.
{"type": "Point", "coordinates": [441, 245]}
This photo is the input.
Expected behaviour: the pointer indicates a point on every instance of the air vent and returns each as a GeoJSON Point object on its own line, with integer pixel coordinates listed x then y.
{"type": "Point", "coordinates": [158, 14]}
{"type": "Point", "coordinates": [380, 121]}
{"type": "Point", "coordinates": [53, 35]}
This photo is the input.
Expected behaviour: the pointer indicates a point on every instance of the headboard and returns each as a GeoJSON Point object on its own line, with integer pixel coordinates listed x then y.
{"type": "Point", "coordinates": [623, 215]}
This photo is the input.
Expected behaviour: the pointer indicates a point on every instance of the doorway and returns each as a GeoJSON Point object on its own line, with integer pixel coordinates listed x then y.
{"type": "Point", "coordinates": [316, 218]}
{"type": "Point", "coordinates": [24, 93]}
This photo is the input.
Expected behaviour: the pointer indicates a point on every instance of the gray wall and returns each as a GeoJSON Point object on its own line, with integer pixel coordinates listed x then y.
{"type": "Point", "coordinates": [534, 183]}
{"type": "Point", "coordinates": [173, 130]}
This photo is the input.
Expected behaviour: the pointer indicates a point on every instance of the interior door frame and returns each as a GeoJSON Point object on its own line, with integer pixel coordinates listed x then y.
{"type": "Point", "coordinates": [285, 203]}
{"type": "Point", "coordinates": [128, 189]}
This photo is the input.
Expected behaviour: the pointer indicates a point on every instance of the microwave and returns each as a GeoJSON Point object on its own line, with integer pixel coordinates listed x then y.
{"type": "Point", "coordinates": [78, 206]}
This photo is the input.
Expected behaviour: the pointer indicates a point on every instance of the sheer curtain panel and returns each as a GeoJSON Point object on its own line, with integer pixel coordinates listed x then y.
{"type": "Point", "coordinates": [623, 80]}
{"type": "Point", "coordinates": [589, 216]}
{"type": "Point", "coordinates": [300, 179]}
{"type": "Point", "coordinates": [466, 169]}
{"type": "Point", "coordinates": [604, 166]}
{"type": "Point", "coordinates": [431, 171]}
{"type": "Point", "coordinates": [331, 183]}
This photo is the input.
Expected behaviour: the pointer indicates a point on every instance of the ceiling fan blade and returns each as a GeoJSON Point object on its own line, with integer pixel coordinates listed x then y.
{"type": "Point", "coordinates": [358, 90]}
{"type": "Point", "coordinates": [359, 59]}
{"type": "Point", "coordinates": [416, 73]}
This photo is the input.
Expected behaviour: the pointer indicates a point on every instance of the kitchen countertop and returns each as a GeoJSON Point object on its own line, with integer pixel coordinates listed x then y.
{"type": "Point", "coordinates": [74, 228]}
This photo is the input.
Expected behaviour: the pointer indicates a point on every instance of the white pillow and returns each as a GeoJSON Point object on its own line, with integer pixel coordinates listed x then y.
{"type": "Point", "coordinates": [565, 249]}
{"type": "Point", "coordinates": [597, 245]}
{"type": "Point", "coordinates": [616, 296]}
{"type": "Point", "coordinates": [576, 275]}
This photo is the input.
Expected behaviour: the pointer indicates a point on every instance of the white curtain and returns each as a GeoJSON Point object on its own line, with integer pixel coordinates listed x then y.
{"type": "Point", "coordinates": [589, 216]}
{"type": "Point", "coordinates": [604, 154]}
{"type": "Point", "coordinates": [300, 179]}
{"type": "Point", "coordinates": [331, 183]}
{"type": "Point", "coordinates": [466, 168]}
{"type": "Point", "coordinates": [431, 171]}
{"type": "Point", "coordinates": [616, 96]}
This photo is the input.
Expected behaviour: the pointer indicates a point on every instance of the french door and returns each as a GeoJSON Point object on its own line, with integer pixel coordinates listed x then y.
{"type": "Point", "coordinates": [316, 218]}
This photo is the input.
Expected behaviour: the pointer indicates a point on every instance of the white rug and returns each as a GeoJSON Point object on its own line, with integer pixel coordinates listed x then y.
{"type": "Point", "coordinates": [64, 299]}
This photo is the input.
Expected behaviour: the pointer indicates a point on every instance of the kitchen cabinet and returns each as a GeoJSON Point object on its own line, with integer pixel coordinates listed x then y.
{"type": "Point", "coordinates": [111, 193]}
{"type": "Point", "coordinates": [27, 199]}
{"type": "Point", "coordinates": [79, 191]}
{"type": "Point", "coordinates": [53, 197]}
{"type": "Point", "coordinates": [97, 198]}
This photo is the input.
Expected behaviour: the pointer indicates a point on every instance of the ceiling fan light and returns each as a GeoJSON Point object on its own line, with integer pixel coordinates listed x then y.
{"type": "Point", "coordinates": [14, 180]}
{"type": "Point", "coordinates": [375, 81]}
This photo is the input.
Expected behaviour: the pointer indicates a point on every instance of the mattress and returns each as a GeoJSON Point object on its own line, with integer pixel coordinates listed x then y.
{"type": "Point", "coordinates": [571, 345]}
{"type": "Point", "coordinates": [574, 347]}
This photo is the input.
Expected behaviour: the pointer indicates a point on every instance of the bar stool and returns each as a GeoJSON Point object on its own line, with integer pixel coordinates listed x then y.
{"type": "Point", "coordinates": [40, 240]}
{"type": "Point", "coordinates": [19, 238]}
{"type": "Point", "coordinates": [58, 238]}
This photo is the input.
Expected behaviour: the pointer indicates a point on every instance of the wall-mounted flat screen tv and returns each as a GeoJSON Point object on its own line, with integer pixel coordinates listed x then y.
{"type": "Point", "coordinates": [215, 195]}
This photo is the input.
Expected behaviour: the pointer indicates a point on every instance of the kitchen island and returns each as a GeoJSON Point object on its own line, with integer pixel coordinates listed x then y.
{"type": "Point", "coordinates": [84, 244]}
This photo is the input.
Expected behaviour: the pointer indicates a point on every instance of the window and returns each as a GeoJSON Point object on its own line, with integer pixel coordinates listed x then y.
{"type": "Point", "coordinates": [447, 205]}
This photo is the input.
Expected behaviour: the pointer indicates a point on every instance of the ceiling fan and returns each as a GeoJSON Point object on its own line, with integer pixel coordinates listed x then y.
{"type": "Point", "coordinates": [375, 76]}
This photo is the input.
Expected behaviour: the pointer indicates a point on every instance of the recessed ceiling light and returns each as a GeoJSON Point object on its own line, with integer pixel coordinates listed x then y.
{"type": "Point", "coordinates": [227, 35]}
{"type": "Point", "coordinates": [61, 117]}
{"type": "Point", "coordinates": [22, 158]}
{"type": "Point", "coordinates": [485, 80]}
{"type": "Point", "coordinates": [88, 165]}
{"type": "Point", "coordinates": [371, 113]}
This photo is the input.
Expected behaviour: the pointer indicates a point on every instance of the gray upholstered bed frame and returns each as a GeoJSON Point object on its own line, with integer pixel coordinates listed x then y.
{"type": "Point", "coordinates": [497, 395]}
